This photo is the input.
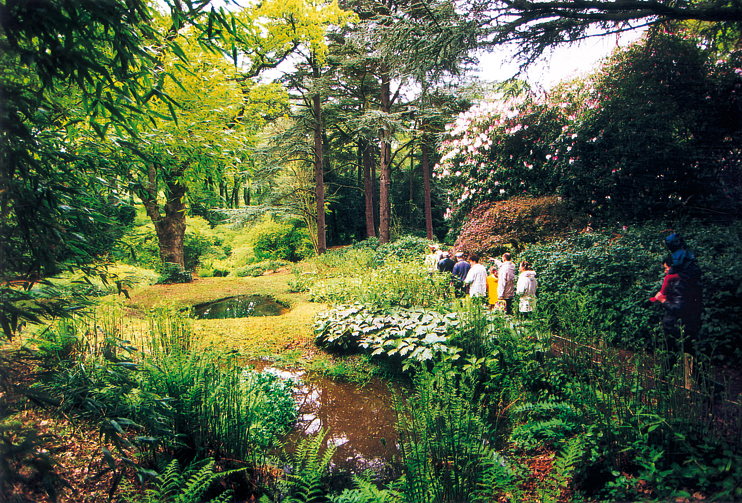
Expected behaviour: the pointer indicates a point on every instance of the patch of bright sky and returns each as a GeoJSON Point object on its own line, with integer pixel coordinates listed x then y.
{"type": "Point", "coordinates": [565, 62]}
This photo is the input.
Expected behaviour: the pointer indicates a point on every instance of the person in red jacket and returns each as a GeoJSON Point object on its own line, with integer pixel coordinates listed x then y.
{"type": "Point", "coordinates": [661, 296]}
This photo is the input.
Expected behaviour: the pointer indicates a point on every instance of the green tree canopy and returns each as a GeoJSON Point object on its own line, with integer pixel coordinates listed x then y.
{"type": "Point", "coordinates": [67, 66]}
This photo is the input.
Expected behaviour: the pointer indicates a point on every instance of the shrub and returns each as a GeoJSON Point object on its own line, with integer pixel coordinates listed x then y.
{"type": "Point", "coordinates": [598, 284]}
{"type": "Point", "coordinates": [494, 227]}
{"type": "Point", "coordinates": [412, 336]}
{"type": "Point", "coordinates": [282, 240]}
{"type": "Point", "coordinates": [357, 260]}
{"type": "Point", "coordinates": [405, 248]}
{"type": "Point", "coordinates": [396, 283]}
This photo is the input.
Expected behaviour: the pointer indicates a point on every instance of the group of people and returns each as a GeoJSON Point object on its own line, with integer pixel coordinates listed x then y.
{"type": "Point", "coordinates": [499, 288]}
{"type": "Point", "coordinates": [680, 293]}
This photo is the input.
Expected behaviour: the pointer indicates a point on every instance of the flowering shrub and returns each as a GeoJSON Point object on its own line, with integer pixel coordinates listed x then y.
{"type": "Point", "coordinates": [648, 135]}
{"type": "Point", "coordinates": [506, 147]}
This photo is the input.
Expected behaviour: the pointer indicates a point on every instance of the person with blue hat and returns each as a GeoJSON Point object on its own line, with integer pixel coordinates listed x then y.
{"type": "Point", "coordinates": [684, 307]}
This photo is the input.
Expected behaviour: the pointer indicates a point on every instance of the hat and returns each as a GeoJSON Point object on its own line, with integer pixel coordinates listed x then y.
{"type": "Point", "coordinates": [445, 254]}
{"type": "Point", "coordinates": [459, 254]}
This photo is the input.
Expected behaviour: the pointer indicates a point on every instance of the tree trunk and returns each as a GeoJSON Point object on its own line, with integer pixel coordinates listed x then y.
{"type": "Point", "coordinates": [171, 227]}
{"type": "Point", "coordinates": [411, 203]}
{"type": "Point", "coordinates": [374, 183]}
{"type": "Point", "coordinates": [236, 192]}
{"type": "Point", "coordinates": [385, 209]}
{"type": "Point", "coordinates": [426, 189]}
{"type": "Point", "coordinates": [319, 168]}
{"type": "Point", "coordinates": [361, 151]}
{"type": "Point", "coordinates": [368, 189]}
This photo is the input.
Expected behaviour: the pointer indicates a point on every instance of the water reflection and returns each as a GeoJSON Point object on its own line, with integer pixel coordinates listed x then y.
{"type": "Point", "coordinates": [359, 420]}
{"type": "Point", "coordinates": [240, 306]}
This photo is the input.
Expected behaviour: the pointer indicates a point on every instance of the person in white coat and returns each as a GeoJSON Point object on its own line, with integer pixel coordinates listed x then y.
{"type": "Point", "coordinates": [476, 278]}
{"type": "Point", "coordinates": [526, 288]}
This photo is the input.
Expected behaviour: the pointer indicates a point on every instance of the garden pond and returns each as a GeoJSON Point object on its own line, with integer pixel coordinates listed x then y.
{"type": "Point", "coordinates": [240, 306]}
{"type": "Point", "coordinates": [360, 420]}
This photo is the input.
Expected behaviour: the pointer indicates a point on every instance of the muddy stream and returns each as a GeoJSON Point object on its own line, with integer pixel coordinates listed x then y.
{"type": "Point", "coordinates": [359, 420]}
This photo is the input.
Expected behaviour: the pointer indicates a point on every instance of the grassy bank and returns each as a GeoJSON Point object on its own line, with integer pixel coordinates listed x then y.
{"type": "Point", "coordinates": [252, 337]}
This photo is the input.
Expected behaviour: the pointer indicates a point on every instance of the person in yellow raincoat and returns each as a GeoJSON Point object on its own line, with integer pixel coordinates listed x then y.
{"type": "Point", "coordinates": [494, 301]}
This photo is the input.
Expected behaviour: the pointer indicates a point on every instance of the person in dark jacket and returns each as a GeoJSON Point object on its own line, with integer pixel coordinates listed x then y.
{"type": "Point", "coordinates": [460, 270]}
{"type": "Point", "coordinates": [445, 264]}
{"type": "Point", "coordinates": [682, 295]}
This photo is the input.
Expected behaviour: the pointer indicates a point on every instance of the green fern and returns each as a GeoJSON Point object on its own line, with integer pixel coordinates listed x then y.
{"type": "Point", "coordinates": [309, 464]}
{"type": "Point", "coordinates": [444, 442]}
{"type": "Point", "coordinates": [548, 420]}
{"type": "Point", "coordinates": [562, 470]}
{"type": "Point", "coordinates": [366, 492]}
{"type": "Point", "coordinates": [189, 485]}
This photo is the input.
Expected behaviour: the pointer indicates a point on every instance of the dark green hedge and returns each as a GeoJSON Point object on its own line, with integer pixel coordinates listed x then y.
{"type": "Point", "coordinates": [599, 283]}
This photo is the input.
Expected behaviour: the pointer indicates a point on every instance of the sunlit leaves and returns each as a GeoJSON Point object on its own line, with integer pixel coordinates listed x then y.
{"type": "Point", "coordinates": [292, 22]}
{"type": "Point", "coordinates": [415, 335]}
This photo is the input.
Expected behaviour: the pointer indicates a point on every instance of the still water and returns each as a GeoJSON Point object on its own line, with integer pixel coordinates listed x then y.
{"type": "Point", "coordinates": [240, 306]}
{"type": "Point", "coordinates": [359, 420]}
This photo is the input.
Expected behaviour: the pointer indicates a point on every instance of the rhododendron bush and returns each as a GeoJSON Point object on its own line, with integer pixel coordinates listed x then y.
{"type": "Point", "coordinates": [495, 227]}
{"type": "Point", "coordinates": [501, 148]}
{"type": "Point", "coordinates": [648, 135]}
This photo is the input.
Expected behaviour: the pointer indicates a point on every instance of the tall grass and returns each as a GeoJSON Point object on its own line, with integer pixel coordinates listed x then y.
{"type": "Point", "coordinates": [174, 394]}
{"type": "Point", "coordinates": [396, 283]}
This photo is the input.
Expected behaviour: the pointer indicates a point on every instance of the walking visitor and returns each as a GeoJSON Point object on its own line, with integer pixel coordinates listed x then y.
{"type": "Point", "coordinates": [476, 278]}
{"type": "Point", "coordinates": [506, 283]}
{"type": "Point", "coordinates": [526, 288]}
{"type": "Point", "coordinates": [432, 258]}
{"type": "Point", "coordinates": [683, 297]}
{"type": "Point", "coordinates": [492, 288]}
{"type": "Point", "coordinates": [460, 270]}
{"type": "Point", "coordinates": [446, 264]}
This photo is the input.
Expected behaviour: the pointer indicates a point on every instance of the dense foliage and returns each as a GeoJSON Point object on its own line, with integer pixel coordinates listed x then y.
{"type": "Point", "coordinates": [650, 135]}
{"type": "Point", "coordinates": [598, 284]}
{"type": "Point", "coordinates": [619, 433]}
{"type": "Point", "coordinates": [493, 227]}
{"type": "Point", "coordinates": [286, 240]}
{"type": "Point", "coordinates": [104, 105]}
{"type": "Point", "coordinates": [410, 336]}
{"type": "Point", "coordinates": [177, 400]}
{"type": "Point", "coordinates": [61, 73]}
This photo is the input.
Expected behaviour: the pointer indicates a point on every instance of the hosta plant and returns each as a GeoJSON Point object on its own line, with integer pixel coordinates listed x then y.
{"type": "Point", "coordinates": [415, 335]}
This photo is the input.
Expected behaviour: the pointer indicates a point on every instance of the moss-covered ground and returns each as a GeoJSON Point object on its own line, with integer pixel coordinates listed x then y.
{"type": "Point", "coordinates": [254, 336]}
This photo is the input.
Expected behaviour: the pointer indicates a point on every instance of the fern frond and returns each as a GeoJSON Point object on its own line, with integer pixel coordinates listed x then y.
{"type": "Point", "coordinates": [189, 485]}
{"type": "Point", "coordinates": [562, 469]}
{"type": "Point", "coordinates": [197, 483]}
{"type": "Point", "coordinates": [366, 492]}
{"type": "Point", "coordinates": [569, 458]}
{"type": "Point", "coordinates": [310, 462]}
